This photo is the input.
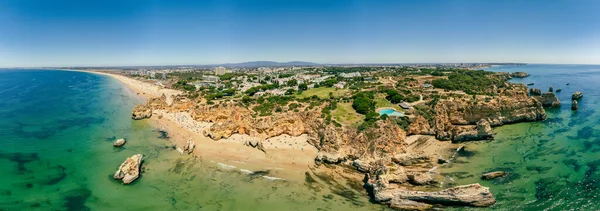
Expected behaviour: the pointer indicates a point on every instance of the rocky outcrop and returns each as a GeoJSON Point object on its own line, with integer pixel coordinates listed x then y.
{"type": "Point", "coordinates": [256, 144]}
{"type": "Point", "coordinates": [467, 195]}
{"type": "Point", "coordinates": [519, 74]}
{"type": "Point", "coordinates": [419, 126]}
{"type": "Point", "coordinates": [481, 131]}
{"type": "Point", "coordinates": [118, 143]}
{"type": "Point", "coordinates": [577, 95]}
{"type": "Point", "coordinates": [551, 89]}
{"type": "Point", "coordinates": [361, 166]}
{"type": "Point", "coordinates": [409, 159]}
{"type": "Point", "coordinates": [129, 170]}
{"type": "Point", "coordinates": [535, 92]}
{"type": "Point", "coordinates": [493, 175]}
{"type": "Point", "coordinates": [330, 158]}
{"type": "Point", "coordinates": [549, 100]}
{"type": "Point", "coordinates": [189, 146]}
{"type": "Point", "coordinates": [460, 116]}
{"type": "Point", "coordinates": [420, 179]}
{"type": "Point", "coordinates": [575, 105]}
{"type": "Point", "coordinates": [141, 112]}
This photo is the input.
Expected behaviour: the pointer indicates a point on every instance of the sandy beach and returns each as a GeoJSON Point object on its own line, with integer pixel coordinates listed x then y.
{"type": "Point", "coordinates": [286, 157]}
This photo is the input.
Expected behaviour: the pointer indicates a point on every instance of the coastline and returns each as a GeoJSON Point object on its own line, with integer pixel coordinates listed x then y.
{"type": "Point", "coordinates": [286, 157]}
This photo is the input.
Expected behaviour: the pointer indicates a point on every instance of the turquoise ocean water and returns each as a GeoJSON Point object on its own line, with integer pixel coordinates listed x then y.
{"type": "Point", "coordinates": [57, 128]}
{"type": "Point", "coordinates": [56, 132]}
{"type": "Point", "coordinates": [553, 164]}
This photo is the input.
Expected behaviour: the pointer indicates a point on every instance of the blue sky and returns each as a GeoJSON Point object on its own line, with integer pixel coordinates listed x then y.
{"type": "Point", "coordinates": [167, 32]}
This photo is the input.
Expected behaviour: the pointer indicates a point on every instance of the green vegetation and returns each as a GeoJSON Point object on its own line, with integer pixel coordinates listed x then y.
{"type": "Point", "coordinates": [256, 89]}
{"type": "Point", "coordinates": [363, 102]}
{"type": "Point", "coordinates": [183, 84]}
{"type": "Point", "coordinates": [265, 106]}
{"type": "Point", "coordinates": [227, 76]}
{"type": "Point", "coordinates": [403, 122]}
{"type": "Point", "coordinates": [303, 87]}
{"type": "Point", "coordinates": [469, 81]}
{"type": "Point", "coordinates": [292, 82]}
{"type": "Point", "coordinates": [323, 92]}
{"type": "Point", "coordinates": [380, 102]}
{"type": "Point", "coordinates": [345, 114]}
{"type": "Point", "coordinates": [285, 75]}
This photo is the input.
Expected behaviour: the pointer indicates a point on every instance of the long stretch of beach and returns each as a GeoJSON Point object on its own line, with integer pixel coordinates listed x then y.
{"type": "Point", "coordinates": [286, 156]}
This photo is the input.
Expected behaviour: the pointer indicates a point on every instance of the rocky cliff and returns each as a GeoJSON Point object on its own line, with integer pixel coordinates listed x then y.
{"type": "Point", "coordinates": [512, 105]}
{"type": "Point", "coordinates": [548, 99]}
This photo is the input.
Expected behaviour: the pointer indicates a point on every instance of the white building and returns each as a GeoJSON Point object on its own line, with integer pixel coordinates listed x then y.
{"type": "Point", "coordinates": [350, 75]}
{"type": "Point", "coordinates": [220, 71]}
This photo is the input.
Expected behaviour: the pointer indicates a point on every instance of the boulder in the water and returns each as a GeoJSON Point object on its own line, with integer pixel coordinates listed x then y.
{"type": "Point", "coordinates": [575, 105]}
{"type": "Point", "coordinates": [129, 170]}
{"type": "Point", "coordinates": [118, 143]}
{"type": "Point", "coordinates": [577, 95]}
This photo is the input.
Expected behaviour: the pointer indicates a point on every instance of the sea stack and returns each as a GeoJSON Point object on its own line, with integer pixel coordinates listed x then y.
{"type": "Point", "coordinates": [119, 143]}
{"type": "Point", "coordinates": [577, 95]}
{"type": "Point", "coordinates": [129, 170]}
{"type": "Point", "coordinates": [551, 89]}
{"type": "Point", "coordinates": [575, 105]}
{"type": "Point", "coordinates": [519, 74]}
{"type": "Point", "coordinates": [549, 100]}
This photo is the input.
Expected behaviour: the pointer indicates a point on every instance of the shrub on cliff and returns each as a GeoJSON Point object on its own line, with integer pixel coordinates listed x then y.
{"type": "Point", "coordinates": [469, 81]}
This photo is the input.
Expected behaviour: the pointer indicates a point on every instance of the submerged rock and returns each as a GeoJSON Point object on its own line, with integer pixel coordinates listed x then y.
{"type": "Point", "coordinates": [129, 170]}
{"type": "Point", "coordinates": [119, 143]}
{"type": "Point", "coordinates": [141, 112]}
{"type": "Point", "coordinates": [576, 96]}
{"type": "Point", "coordinates": [493, 175]}
{"type": "Point", "coordinates": [575, 105]}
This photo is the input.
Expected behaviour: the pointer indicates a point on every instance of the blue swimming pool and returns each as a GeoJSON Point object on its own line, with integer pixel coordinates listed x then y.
{"type": "Point", "coordinates": [390, 112]}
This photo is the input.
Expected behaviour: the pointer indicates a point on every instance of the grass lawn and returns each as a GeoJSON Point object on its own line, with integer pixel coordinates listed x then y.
{"type": "Point", "coordinates": [345, 114]}
{"type": "Point", "coordinates": [323, 92]}
{"type": "Point", "coordinates": [380, 101]}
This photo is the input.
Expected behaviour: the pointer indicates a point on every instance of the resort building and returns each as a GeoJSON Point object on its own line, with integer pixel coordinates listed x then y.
{"type": "Point", "coordinates": [350, 75]}
{"type": "Point", "coordinates": [220, 71]}
{"type": "Point", "coordinates": [404, 105]}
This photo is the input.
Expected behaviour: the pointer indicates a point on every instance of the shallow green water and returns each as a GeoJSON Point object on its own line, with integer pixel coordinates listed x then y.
{"type": "Point", "coordinates": [554, 164]}
{"type": "Point", "coordinates": [57, 128]}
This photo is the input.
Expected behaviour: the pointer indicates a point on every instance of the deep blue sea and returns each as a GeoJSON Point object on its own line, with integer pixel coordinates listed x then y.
{"type": "Point", "coordinates": [553, 164]}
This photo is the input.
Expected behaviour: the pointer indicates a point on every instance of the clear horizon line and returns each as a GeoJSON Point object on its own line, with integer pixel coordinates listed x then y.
{"type": "Point", "coordinates": [316, 64]}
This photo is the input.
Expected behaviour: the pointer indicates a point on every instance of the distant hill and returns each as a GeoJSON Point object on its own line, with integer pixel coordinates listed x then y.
{"type": "Point", "coordinates": [269, 64]}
